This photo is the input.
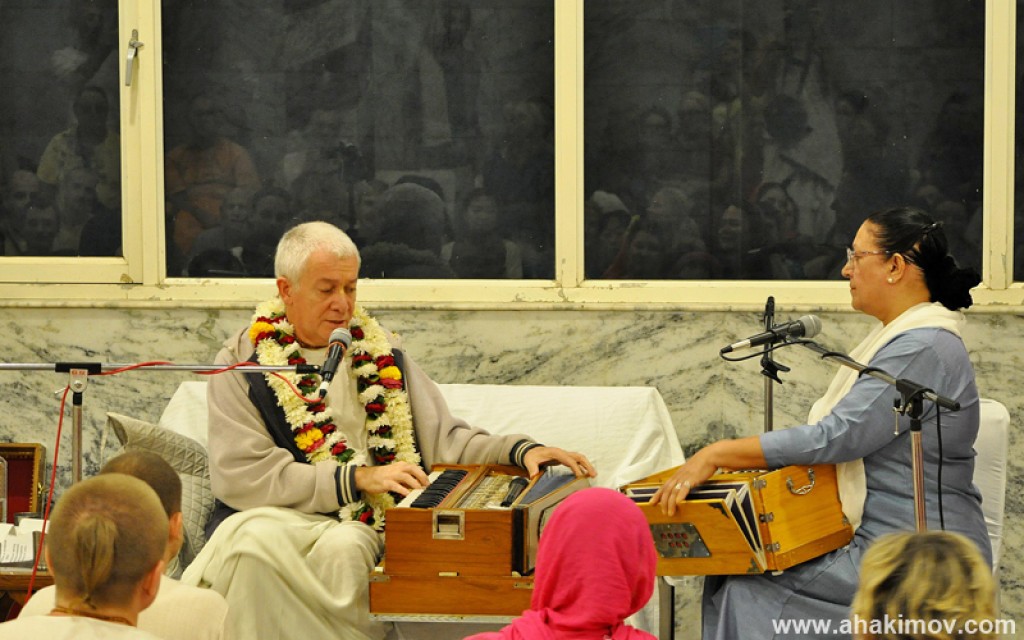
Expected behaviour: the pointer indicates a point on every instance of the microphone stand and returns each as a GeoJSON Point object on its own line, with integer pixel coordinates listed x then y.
{"type": "Point", "coordinates": [910, 403]}
{"type": "Point", "coordinates": [79, 373]}
{"type": "Point", "coordinates": [769, 368]}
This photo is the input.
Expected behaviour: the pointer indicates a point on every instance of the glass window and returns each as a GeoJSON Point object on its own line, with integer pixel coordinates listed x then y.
{"type": "Point", "coordinates": [423, 128]}
{"type": "Point", "coordinates": [60, 149]}
{"type": "Point", "coordinates": [748, 140]}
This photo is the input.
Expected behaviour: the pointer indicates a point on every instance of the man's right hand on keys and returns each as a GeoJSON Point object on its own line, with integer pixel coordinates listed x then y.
{"type": "Point", "coordinates": [397, 477]}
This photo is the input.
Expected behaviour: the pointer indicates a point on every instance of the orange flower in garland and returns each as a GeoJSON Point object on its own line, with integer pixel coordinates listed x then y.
{"type": "Point", "coordinates": [381, 391]}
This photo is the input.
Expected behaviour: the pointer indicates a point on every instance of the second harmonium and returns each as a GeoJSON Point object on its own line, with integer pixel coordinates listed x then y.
{"type": "Point", "coordinates": [746, 521]}
{"type": "Point", "coordinates": [466, 545]}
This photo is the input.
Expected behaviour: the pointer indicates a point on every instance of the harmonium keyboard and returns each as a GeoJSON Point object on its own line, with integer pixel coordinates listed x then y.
{"type": "Point", "coordinates": [466, 545]}
{"type": "Point", "coordinates": [742, 522]}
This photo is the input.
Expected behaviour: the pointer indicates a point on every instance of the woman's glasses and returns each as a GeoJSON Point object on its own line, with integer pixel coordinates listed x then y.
{"type": "Point", "coordinates": [851, 255]}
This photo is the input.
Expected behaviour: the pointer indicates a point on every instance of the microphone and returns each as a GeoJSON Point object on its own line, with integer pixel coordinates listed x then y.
{"type": "Point", "coordinates": [337, 345]}
{"type": "Point", "coordinates": [805, 327]}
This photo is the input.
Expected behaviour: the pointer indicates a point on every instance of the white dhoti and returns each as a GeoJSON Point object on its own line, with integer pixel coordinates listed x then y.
{"type": "Point", "coordinates": [287, 574]}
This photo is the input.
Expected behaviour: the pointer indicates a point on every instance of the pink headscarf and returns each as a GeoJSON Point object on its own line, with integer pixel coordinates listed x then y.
{"type": "Point", "coordinates": [595, 567]}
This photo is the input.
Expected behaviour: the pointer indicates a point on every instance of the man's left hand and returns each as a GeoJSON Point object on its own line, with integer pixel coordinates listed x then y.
{"type": "Point", "coordinates": [537, 457]}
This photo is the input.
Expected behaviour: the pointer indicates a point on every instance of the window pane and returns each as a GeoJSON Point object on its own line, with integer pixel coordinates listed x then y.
{"type": "Point", "coordinates": [423, 128]}
{"type": "Point", "coordinates": [744, 139]}
{"type": "Point", "coordinates": [60, 150]}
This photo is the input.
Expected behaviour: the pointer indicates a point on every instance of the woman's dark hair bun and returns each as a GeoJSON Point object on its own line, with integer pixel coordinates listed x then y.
{"type": "Point", "coordinates": [914, 234]}
{"type": "Point", "coordinates": [952, 286]}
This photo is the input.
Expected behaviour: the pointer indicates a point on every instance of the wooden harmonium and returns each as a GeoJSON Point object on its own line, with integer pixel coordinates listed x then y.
{"type": "Point", "coordinates": [466, 545]}
{"type": "Point", "coordinates": [746, 521]}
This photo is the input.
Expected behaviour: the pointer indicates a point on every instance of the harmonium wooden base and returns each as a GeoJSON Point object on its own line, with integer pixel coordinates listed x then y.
{"type": "Point", "coordinates": [456, 550]}
{"type": "Point", "coordinates": [746, 521]}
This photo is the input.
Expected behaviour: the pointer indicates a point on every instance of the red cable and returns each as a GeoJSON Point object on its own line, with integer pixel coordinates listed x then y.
{"type": "Point", "coordinates": [49, 496]}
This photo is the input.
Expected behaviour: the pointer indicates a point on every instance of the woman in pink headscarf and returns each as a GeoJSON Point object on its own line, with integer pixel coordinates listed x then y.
{"type": "Point", "coordinates": [595, 567]}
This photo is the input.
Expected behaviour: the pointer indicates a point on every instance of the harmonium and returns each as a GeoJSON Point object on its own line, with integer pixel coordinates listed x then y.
{"type": "Point", "coordinates": [742, 522]}
{"type": "Point", "coordinates": [466, 544]}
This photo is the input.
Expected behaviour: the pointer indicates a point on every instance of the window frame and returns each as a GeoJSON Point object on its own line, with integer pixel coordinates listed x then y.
{"type": "Point", "coordinates": [139, 279]}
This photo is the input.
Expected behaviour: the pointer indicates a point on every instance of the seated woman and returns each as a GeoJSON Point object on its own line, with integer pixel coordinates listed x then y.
{"type": "Point", "coordinates": [595, 567]}
{"type": "Point", "coordinates": [900, 273]}
{"type": "Point", "coordinates": [105, 547]}
{"type": "Point", "coordinates": [926, 585]}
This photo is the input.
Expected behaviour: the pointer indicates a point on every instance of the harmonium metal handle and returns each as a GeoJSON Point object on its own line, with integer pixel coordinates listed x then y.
{"type": "Point", "coordinates": [804, 490]}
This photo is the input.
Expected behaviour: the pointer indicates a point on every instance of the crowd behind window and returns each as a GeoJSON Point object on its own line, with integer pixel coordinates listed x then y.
{"type": "Point", "coordinates": [723, 140]}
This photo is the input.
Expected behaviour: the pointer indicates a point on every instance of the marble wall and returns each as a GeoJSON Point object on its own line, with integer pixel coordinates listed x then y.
{"type": "Point", "coordinates": [677, 352]}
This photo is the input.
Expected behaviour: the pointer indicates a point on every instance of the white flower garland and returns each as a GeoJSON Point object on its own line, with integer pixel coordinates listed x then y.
{"type": "Point", "coordinates": [381, 391]}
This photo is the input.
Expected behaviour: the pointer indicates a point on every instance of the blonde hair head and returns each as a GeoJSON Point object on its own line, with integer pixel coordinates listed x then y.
{"type": "Point", "coordinates": [921, 577]}
{"type": "Point", "coordinates": [105, 535]}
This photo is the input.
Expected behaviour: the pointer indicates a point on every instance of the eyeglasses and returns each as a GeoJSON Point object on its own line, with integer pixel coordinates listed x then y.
{"type": "Point", "coordinates": [851, 254]}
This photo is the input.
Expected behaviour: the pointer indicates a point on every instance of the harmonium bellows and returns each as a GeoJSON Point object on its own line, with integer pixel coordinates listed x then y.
{"type": "Point", "coordinates": [466, 545]}
{"type": "Point", "coordinates": [746, 521]}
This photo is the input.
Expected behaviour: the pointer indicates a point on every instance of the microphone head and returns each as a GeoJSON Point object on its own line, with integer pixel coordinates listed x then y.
{"type": "Point", "coordinates": [342, 335]}
{"type": "Point", "coordinates": [811, 326]}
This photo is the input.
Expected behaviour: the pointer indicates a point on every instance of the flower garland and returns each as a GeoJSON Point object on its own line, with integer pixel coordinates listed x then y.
{"type": "Point", "coordinates": [381, 391]}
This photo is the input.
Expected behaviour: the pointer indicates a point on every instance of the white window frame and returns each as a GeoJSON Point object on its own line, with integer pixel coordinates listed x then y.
{"type": "Point", "coordinates": [140, 280]}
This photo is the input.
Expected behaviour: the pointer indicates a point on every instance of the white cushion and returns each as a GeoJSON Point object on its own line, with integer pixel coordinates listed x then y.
{"type": "Point", "coordinates": [188, 458]}
{"type": "Point", "coordinates": [186, 412]}
{"type": "Point", "coordinates": [990, 470]}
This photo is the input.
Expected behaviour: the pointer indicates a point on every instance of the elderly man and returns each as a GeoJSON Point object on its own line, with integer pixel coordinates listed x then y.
{"type": "Point", "coordinates": [310, 478]}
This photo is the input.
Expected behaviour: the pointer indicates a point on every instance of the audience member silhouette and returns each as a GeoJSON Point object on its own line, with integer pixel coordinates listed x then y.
{"type": "Point", "coordinates": [671, 215]}
{"type": "Point", "coordinates": [479, 251]}
{"type": "Point", "coordinates": [76, 205]}
{"type": "Point", "coordinates": [606, 219]}
{"type": "Point", "coordinates": [21, 191]}
{"type": "Point", "coordinates": [649, 254]}
{"type": "Point", "coordinates": [201, 171]}
{"type": "Point", "coordinates": [876, 174]}
{"type": "Point", "coordinates": [237, 218]}
{"type": "Point", "coordinates": [89, 143]}
{"type": "Point", "coordinates": [951, 155]}
{"type": "Point", "coordinates": [39, 230]}
{"type": "Point", "coordinates": [448, 71]}
{"type": "Point", "coordinates": [91, 57]}
{"type": "Point", "coordinates": [742, 233]}
{"type": "Point", "coordinates": [520, 172]}
{"type": "Point", "coordinates": [407, 237]}
{"type": "Point", "coordinates": [790, 157]}
{"type": "Point", "coordinates": [366, 195]}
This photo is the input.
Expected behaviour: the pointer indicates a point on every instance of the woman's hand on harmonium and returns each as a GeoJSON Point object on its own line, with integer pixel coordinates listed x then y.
{"type": "Point", "coordinates": [692, 473]}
